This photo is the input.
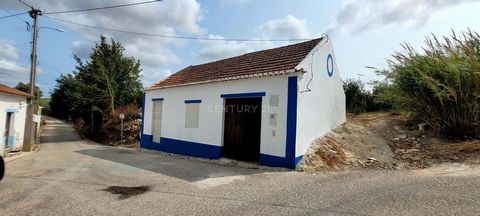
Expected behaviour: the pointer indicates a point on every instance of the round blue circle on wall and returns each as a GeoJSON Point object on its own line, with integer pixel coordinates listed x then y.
{"type": "Point", "coordinates": [330, 65]}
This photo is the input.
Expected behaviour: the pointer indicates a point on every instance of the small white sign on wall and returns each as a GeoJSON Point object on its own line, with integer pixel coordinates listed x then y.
{"type": "Point", "coordinates": [122, 116]}
{"type": "Point", "coordinates": [36, 118]}
{"type": "Point", "coordinates": [274, 100]}
{"type": "Point", "coordinates": [273, 119]}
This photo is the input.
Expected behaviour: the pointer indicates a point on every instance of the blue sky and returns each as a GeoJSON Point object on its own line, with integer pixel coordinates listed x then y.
{"type": "Point", "coordinates": [365, 33]}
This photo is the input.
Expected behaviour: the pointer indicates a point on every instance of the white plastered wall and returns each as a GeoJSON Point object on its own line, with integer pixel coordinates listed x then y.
{"type": "Point", "coordinates": [12, 102]}
{"type": "Point", "coordinates": [323, 107]}
{"type": "Point", "coordinates": [210, 129]}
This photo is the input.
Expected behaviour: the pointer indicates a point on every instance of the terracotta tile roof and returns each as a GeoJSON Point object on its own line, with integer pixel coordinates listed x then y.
{"type": "Point", "coordinates": [269, 62]}
{"type": "Point", "coordinates": [8, 90]}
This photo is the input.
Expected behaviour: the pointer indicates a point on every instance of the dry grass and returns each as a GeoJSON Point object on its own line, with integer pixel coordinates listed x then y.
{"type": "Point", "coordinates": [130, 111]}
{"type": "Point", "coordinates": [326, 154]}
{"type": "Point", "coordinates": [459, 151]}
{"type": "Point", "coordinates": [466, 147]}
{"type": "Point", "coordinates": [332, 154]}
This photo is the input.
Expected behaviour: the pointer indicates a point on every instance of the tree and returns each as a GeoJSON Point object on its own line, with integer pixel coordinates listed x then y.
{"type": "Point", "coordinates": [25, 87]}
{"type": "Point", "coordinates": [66, 97]}
{"type": "Point", "coordinates": [99, 85]}
{"type": "Point", "coordinates": [112, 78]}
{"type": "Point", "coordinates": [359, 100]}
{"type": "Point", "coordinates": [356, 96]}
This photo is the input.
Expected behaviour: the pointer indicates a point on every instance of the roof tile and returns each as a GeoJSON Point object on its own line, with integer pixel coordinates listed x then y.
{"type": "Point", "coordinates": [261, 63]}
{"type": "Point", "coordinates": [8, 90]}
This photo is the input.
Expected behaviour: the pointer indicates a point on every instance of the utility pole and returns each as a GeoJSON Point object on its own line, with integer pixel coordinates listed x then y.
{"type": "Point", "coordinates": [30, 133]}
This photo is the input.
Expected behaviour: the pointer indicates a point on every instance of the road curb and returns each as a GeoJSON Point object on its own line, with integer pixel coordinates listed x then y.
{"type": "Point", "coordinates": [22, 154]}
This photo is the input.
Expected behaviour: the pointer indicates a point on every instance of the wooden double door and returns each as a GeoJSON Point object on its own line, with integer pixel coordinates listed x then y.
{"type": "Point", "coordinates": [242, 128]}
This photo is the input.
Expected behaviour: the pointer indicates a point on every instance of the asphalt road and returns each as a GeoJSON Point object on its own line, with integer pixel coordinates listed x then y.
{"type": "Point", "coordinates": [69, 176]}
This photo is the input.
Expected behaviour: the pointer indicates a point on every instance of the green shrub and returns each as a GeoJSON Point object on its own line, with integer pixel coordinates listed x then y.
{"type": "Point", "coordinates": [377, 102]}
{"type": "Point", "coordinates": [360, 100]}
{"type": "Point", "coordinates": [441, 84]}
{"type": "Point", "coordinates": [356, 96]}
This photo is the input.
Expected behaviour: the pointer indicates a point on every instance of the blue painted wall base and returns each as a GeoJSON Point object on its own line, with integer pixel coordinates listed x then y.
{"type": "Point", "coordinates": [208, 151]}
{"type": "Point", "coordinates": [181, 147]}
{"type": "Point", "coordinates": [275, 161]}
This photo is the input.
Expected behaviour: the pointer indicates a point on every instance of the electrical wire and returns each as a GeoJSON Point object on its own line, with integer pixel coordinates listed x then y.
{"type": "Point", "coordinates": [25, 4]}
{"type": "Point", "coordinates": [16, 16]}
{"type": "Point", "coordinates": [4, 45]}
{"type": "Point", "coordinates": [102, 8]}
{"type": "Point", "coordinates": [23, 49]}
{"type": "Point", "coordinates": [175, 37]}
{"type": "Point", "coordinates": [52, 69]}
{"type": "Point", "coordinates": [13, 15]}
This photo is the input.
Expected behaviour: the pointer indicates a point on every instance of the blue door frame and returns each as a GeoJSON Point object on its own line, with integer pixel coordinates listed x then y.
{"type": "Point", "coordinates": [9, 138]}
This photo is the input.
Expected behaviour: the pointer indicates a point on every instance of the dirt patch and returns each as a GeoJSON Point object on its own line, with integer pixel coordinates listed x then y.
{"type": "Point", "coordinates": [327, 153]}
{"type": "Point", "coordinates": [127, 192]}
{"type": "Point", "coordinates": [387, 141]}
{"type": "Point", "coordinates": [425, 151]}
{"type": "Point", "coordinates": [360, 143]}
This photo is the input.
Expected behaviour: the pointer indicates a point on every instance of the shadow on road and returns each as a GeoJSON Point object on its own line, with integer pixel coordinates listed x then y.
{"type": "Point", "coordinates": [188, 170]}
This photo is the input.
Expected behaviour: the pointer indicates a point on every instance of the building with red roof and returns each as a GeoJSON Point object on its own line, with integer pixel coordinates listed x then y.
{"type": "Point", "coordinates": [265, 107]}
{"type": "Point", "coordinates": [13, 110]}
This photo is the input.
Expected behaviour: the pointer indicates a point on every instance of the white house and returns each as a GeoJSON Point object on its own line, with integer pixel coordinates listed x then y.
{"type": "Point", "coordinates": [266, 106]}
{"type": "Point", "coordinates": [13, 111]}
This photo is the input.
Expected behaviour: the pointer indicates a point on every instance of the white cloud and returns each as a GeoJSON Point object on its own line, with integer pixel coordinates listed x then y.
{"type": "Point", "coordinates": [151, 55]}
{"type": "Point", "coordinates": [289, 27]}
{"type": "Point", "coordinates": [82, 49]}
{"type": "Point", "coordinates": [359, 16]}
{"type": "Point", "coordinates": [154, 76]}
{"type": "Point", "coordinates": [12, 66]}
{"type": "Point", "coordinates": [215, 50]}
{"type": "Point", "coordinates": [171, 17]}
{"type": "Point", "coordinates": [8, 51]}
{"type": "Point", "coordinates": [11, 73]}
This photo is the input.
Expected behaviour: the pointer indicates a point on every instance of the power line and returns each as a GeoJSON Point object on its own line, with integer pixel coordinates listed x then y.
{"type": "Point", "coordinates": [16, 16]}
{"type": "Point", "coordinates": [103, 8]}
{"type": "Point", "coordinates": [43, 65]}
{"type": "Point", "coordinates": [13, 15]}
{"type": "Point", "coordinates": [25, 4]}
{"type": "Point", "coordinates": [174, 37]}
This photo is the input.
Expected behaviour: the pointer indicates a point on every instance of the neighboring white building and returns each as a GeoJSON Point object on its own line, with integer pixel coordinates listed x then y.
{"type": "Point", "coordinates": [13, 111]}
{"type": "Point", "coordinates": [265, 106]}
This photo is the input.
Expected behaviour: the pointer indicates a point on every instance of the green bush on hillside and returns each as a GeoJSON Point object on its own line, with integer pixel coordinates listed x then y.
{"type": "Point", "coordinates": [360, 100]}
{"type": "Point", "coordinates": [440, 85]}
{"type": "Point", "coordinates": [356, 96]}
